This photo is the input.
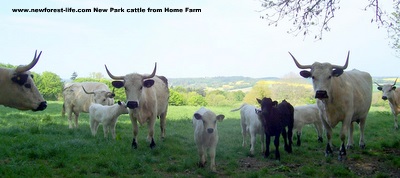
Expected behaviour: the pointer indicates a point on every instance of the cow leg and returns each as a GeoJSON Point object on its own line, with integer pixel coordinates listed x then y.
{"type": "Point", "coordinates": [212, 157]}
{"type": "Point", "coordinates": [362, 127]}
{"type": "Point", "coordinates": [350, 142]}
{"type": "Point", "coordinates": [150, 124]}
{"type": "Point", "coordinates": [276, 143]}
{"type": "Point", "coordinates": [345, 125]}
{"type": "Point", "coordinates": [76, 119]}
{"type": "Point", "coordinates": [135, 131]}
{"type": "Point", "coordinates": [252, 141]}
{"type": "Point", "coordinates": [93, 126]}
{"type": "Point", "coordinates": [112, 127]}
{"type": "Point", "coordinates": [396, 126]}
{"type": "Point", "coordinates": [244, 133]}
{"type": "Point", "coordinates": [319, 129]}
{"type": "Point", "coordinates": [69, 113]}
{"type": "Point", "coordinates": [163, 123]}
{"type": "Point", "coordinates": [285, 137]}
{"type": "Point", "coordinates": [262, 143]}
{"type": "Point", "coordinates": [328, 150]}
{"type": "Point", "coordinates": [105, 130]}
{"type": "Point", "coordinates": [202, 155]}
{"type": "Point", "coordinates": [298, 138]}
{"type": "Point", "coordinates": [290, 134]}
{"type": "Point", "coordinates": [267, 142]}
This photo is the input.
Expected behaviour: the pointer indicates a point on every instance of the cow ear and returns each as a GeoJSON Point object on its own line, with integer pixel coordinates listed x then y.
{"type": "Point", "coordinates": [117, 84]}
{"type": "Point", "coordinates": [148, 83]}
{"type": "Point", "coordinates": [275, 103]}
{"type": "Point", "coordinates": [119, 103]}
{"type": "Point", "coordinates": [393, 87]}
{"type": "Point", "coordinates": [379, 88]}
{"type": "Point", "coordinates": [220, 117]}
{"type": "Point", "coordinates": [259, 101]}
{"type": "Point", "coordinates": [198, 116]}
{"type": "Point", "coordinates": [305, 73]}
{"type": "Point", "coordinates": [337, 72]}
{"type": "Point", "coordinates": [20, 79]}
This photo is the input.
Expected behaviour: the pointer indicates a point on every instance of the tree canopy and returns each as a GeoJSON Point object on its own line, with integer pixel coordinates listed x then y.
{"type": "Point", "coordinates": [305, 15]}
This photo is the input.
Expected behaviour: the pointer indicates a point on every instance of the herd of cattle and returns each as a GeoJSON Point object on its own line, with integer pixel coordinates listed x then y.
{"type": "Point", "coordinates": [341, 97]}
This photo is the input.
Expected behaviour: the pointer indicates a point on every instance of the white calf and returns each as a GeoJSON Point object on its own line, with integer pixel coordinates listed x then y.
{"type": "Point", "coordinates": [308, 114]}
{"type": "Point", "coordinates": [206, 134]}
{"type": "Point", "coordinates": [252, 125]}
{"type": "Point", "coordinates": [108, 115]}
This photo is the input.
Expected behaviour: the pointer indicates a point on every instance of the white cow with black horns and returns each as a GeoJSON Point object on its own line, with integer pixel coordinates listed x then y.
{"type": "Point", "coordinates": [79, 96]}
{"type": "Point", "coordinates": [147, 98]}
{"type": "Point", "coordinates": [18, 89]}
{"type": "Point", "coordinates": [392, 94]}
{"type": "Point", "coordinates": [342, 97]}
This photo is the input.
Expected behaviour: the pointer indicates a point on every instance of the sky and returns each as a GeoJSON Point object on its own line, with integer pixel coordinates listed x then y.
{"type": "Point", "coordinates": [227, 38]}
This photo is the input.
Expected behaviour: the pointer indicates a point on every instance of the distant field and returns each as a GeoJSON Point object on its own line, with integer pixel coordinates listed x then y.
{"type": "Point", "coordinates": [39, 144]}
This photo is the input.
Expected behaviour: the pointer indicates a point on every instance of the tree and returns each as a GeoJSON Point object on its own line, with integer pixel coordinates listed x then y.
{"type": "Point", "coordinates": [195, 99]}
{"type": "Point", "coordinates": [395, 30]}
{"type": "Point", "coordinates": [96, 75]}
{"type": "Point", "coordinates": [305, 14]}
{"type": "Point", "coordinates": [49, 85]}
{"type": "Point", "coordinates": [176, 98]}
{"type": "Point", "coordinates": [260, 89]}
{"type": "Point", "coordinates": [74, 76]}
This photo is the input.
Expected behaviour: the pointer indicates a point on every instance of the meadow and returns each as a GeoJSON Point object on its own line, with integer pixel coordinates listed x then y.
{"type": "Point", "coordinates": [39, 144]}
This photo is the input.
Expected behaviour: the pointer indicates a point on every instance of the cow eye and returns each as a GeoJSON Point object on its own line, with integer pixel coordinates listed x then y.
{"type": "Point", "coordinates": [141, 88]}
{"type": "Point", "coordinates": [27, 85]}
{"type": "Point", "coordinates": [330, 77]}
{"type": "Point", "coordinates": [313, 77]}
{"type": "Point", "coordinates": [32, 76]}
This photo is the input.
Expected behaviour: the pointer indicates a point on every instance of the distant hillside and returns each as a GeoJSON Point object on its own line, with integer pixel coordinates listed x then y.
{"type": "Point", "coordinates": [222, 83]}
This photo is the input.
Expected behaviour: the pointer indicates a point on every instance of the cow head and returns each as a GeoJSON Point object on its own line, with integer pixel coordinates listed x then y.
{"type": "Point", "coordinates": [22, 92]}
{"type": "Point", "coordinates": [266, 106]}
{"type": "Point", "coordinates": [101, 97]}
{"type": "Point", "coordinates": [322, 75]}
{"type": "Point", "coordinates": [387, 90]}
{"type": "Point", "coordinates": [134, 85]}
{"type": "Point", "coordinates": [209, 120]}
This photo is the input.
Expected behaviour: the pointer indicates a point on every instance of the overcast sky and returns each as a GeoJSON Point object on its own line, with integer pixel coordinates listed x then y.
{"type": "Point", "coordinates": [227, 38]}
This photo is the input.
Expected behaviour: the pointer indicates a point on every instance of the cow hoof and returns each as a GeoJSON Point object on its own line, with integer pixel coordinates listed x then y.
{"type": "Point", "coordinates": [320, 139]}
{"type": "Point", "coordinates": [349, 147]}
{"type": "Point", "coordinates": [342, 157]}
{"type": "Point", "coordinates": [362, 146]}
{"type": "Point", "coordinates": [134, 144]}
{"type": "Point", "coordinates": [152, 144]}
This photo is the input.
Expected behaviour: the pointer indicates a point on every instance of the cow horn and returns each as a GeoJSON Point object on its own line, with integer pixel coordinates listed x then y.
{"type": "Point", "coordinates": [24, 68]}
{"type": "Point", "coordinates": [298, 64]}
{"type": "Point", "coordinates": [89, 93]}
{"type": "Point", "coordinates": [345, 65]}
{"type": "Point", "coordinates": [152, 74]}
{"type": "Point", "coordinates": [395, 82]}
{"type": "Point", "coordinates": [112, 76]}
{"type": "Point", "coordinates": [378, 84]}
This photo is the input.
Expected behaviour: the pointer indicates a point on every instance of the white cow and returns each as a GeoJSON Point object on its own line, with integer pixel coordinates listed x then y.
{"type": "Point", "coordinates": [250, 125]}
{"type": "Point", "coordinates": [392, 94]}
{"type": "Point", "coordinates": [108, 115]}
{"type": "Point", "coordinates": [342, 97]}
{"type": "Point", "coordinates": [307, 114]}
{"type": "Point", "coordinates": [77, 99]}
{"type": "Point", "coordinates": [147, 98]}
{"type": "Point", "coordinates": [206, 134]}
{"type": "Point", "coordinates": [18, 90]}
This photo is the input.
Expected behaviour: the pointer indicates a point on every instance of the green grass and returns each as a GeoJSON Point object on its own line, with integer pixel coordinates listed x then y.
{"type": "Point", "coordinates": [39, 144]}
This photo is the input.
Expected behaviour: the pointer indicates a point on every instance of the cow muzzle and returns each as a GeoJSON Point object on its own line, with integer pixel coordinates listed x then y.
{"type": "Point", "coordinates": [132, 104]}
{"type": "Point", "coordinates": [42, 106]}
{"type": "Point", "coordinates": [210, 130]}
{"type": "Point", "coordinates": [384, 98]}
{"type": "Point", "coordinates": [321, 94]}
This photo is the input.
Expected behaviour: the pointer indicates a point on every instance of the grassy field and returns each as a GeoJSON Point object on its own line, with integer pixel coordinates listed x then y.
{"type": "Point", "coordinates": [39, 144]}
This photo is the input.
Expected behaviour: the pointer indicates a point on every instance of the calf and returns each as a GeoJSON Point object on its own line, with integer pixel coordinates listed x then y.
{"type": "Point", "coordinates": [108, 115]}
{"type": "Point", "coordinates": [274, 119]}
{"type": "Point", "coordinates": [308, 114]}
{"type": "Point", "coordinates": [392, 94]}
{"type": "Point", "coordinates": [250, 124]}
{"type": "Point", "coordinates": [206, 134]}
